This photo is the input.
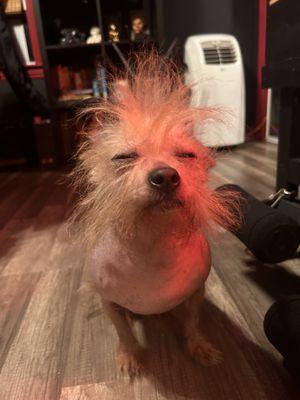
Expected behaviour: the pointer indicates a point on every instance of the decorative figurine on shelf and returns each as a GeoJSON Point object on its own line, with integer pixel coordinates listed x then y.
{"type": "Point", "coordinates": [95, 35]}
{"type": "Point", "coordinates": [139, 32]}
{"type": "Point", "coordinates": [113, 33]}
{"type": "Point", "coordinates": [71, 36]}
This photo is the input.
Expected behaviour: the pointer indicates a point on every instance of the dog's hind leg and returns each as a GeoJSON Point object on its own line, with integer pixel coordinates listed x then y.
{"type": "Point", "coordinates": [199, 348]}
{"type": "Point", "coordinates": [129, 355]}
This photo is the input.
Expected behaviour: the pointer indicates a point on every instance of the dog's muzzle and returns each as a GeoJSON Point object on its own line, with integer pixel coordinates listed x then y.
{"type": "Point", "coordinates": [164, 179]}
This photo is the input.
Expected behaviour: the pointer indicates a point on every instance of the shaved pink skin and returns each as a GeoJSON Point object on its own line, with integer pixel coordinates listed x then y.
{"type": "Point", "coordinates": [150, 278]}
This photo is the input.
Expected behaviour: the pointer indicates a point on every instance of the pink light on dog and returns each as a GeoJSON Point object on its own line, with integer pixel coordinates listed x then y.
{"type": "Point", "coordinates": [146, 206]}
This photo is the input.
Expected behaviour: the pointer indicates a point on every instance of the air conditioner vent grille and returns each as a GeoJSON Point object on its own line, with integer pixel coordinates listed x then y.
{"type": "Point", "coordinates": [221, 52]}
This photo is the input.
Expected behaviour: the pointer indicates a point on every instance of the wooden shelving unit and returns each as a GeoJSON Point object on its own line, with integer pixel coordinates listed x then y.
{"type": "Point", "coordinates": [54, 15]}
{"type": "Point", "coordinates": [60, 47]}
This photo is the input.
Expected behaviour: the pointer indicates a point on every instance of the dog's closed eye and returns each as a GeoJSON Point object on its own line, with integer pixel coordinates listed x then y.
{"type": "Point", "coordinates": [185, 154]}
{"type": "Point", "coordinates": [125, 157]}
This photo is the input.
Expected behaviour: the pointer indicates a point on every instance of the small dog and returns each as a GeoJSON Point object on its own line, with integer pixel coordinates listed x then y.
{"type": "Point", "coordinates": [146, 207]}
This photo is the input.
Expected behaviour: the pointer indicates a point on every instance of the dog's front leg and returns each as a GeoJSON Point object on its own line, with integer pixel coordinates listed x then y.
{"type": "Point", "coordinates": [197, 345]}
{"type": "Point", "coordinates": [129, 349]}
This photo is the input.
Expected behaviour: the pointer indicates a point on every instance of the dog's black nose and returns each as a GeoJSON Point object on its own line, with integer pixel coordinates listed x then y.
{"type": "Point", "coordinates": [164, 178]}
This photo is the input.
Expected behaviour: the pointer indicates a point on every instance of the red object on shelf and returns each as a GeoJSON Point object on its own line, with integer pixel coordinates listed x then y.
{"type": "Point", "coordinates": [262, 94]}
{"type": "Point", "coordinates": [64, 82]}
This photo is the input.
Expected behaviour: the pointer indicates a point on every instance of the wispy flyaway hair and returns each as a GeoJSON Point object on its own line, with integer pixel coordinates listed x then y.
{"type": "Point", "coordinates": [148, 116]}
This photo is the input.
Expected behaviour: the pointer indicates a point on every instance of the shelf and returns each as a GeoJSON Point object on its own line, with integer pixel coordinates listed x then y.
{"type": "Point", "coordinates": [76, 60]}
{"type": "Point", "coordinates": [69, 104]}
{"type": "Point", "coordinates": [109, 43]}
{"type": "Point", "coordinates": [61, 47]}
{"type": "Point", "coordinates": [128, 42]}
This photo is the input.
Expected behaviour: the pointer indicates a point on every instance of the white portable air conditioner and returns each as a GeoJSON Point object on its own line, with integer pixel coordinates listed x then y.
{"type": "Point", "coordinates": [215, 73]}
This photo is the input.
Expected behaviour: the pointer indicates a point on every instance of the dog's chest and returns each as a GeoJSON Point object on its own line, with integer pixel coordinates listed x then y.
{"type": "Point", "coordinates": [150, 279]}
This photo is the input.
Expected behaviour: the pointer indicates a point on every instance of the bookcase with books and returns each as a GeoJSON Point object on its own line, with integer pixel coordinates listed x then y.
{"type": "Point", "coordinates": [81, 43]}
{"type": "Point", "coordinates": [69, 50]}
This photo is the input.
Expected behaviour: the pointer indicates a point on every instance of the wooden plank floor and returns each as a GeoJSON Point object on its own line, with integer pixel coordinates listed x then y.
{"type": "Point", "coordinates": [53, 348]}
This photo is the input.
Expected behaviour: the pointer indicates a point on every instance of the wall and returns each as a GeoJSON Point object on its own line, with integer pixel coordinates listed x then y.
{"type": "Point", "coordinates": [181, 19]}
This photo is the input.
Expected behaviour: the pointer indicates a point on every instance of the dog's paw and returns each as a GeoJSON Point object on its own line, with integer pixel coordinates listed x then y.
{"type": "Point", "coordinates": [204, 352]}
{"type": "Point", "coordinates": [130, 363]}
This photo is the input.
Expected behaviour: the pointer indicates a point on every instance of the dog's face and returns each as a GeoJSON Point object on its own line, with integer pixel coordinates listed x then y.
{"type": "Point", "coordinates": [146, 177]}
{"type": "Point", "coordinates": [142, 164]}
{"type": "Point", "coordinates": [155, 177]}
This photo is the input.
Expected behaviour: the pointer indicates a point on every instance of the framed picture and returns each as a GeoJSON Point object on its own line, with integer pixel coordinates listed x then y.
{"type": "Point", "coordinates": [139, 30]}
